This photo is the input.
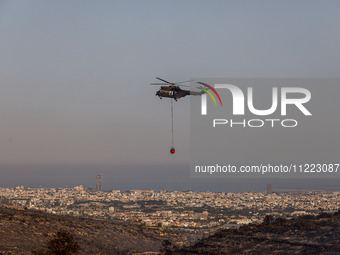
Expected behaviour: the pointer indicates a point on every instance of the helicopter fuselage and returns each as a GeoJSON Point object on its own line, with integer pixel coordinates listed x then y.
{"type": "Point", "coordinates": [174, 92]}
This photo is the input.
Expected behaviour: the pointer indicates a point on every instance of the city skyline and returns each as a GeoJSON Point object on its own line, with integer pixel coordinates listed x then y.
{"type": "Point", "coordinates": [167, 209]}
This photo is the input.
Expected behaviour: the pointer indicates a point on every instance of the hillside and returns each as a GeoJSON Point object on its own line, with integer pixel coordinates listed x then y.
{"type": "Point", "coordinates": [22, 231]}
{"type": "Point", "coordinates": [304, 235]}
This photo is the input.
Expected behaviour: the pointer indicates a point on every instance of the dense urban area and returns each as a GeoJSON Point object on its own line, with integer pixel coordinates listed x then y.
{"type": "Point", "coordinates": [190, 211]}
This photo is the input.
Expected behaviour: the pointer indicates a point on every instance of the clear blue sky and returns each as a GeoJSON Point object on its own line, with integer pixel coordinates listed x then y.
{"type": "Point", "coordinates": [75, 74]}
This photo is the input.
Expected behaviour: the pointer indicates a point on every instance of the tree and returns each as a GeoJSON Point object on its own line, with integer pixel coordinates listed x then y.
{"type": "Point", "coordinates": [63, 243]}
{"type": "Point", "coordinates": [268, 219]}
{"type": "Point", "coordinates": [166, 247]}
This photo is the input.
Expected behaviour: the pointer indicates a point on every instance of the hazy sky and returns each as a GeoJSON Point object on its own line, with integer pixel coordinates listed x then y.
{"type": "Point", "coordinates": [75, 74]}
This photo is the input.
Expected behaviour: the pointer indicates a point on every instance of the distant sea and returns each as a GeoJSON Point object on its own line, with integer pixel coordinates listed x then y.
{"type": "Point", "coordinates": [236, 186]}
{"type": "Point", "coordinates": [147, 178]}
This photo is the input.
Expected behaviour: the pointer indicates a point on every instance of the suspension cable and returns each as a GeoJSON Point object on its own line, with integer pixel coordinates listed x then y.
{"type": "Point", "coordinates": [172, 123]}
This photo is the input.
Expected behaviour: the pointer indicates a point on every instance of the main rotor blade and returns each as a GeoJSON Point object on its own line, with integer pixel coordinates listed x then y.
{"type": "Point", "coordinates": [159, 84]}
{"type": "Point", "coordinates": [163, 80]}
{"type": "Point", "coordinates": [182, 82]}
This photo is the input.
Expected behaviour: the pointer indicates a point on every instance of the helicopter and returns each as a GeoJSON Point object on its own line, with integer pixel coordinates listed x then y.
{"type": "Point", "coordinates": [173, 90]}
